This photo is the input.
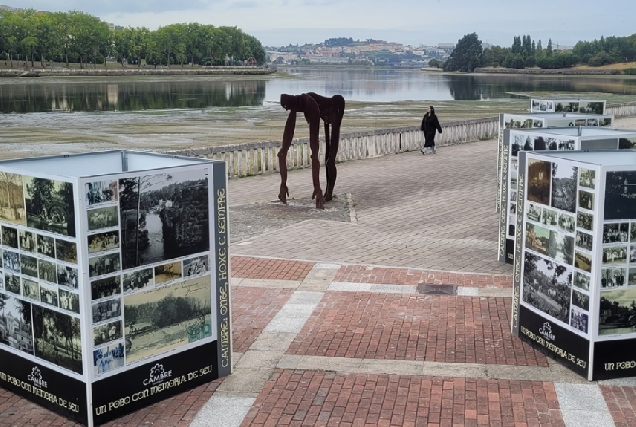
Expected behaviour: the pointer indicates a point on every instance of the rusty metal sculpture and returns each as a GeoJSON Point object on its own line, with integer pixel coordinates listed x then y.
{"type": "Point", "coordinates": [315, 108]}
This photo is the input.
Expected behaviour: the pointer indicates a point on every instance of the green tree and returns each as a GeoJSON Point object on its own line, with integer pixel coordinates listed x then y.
{"type": "Point", "coordinates": [467, 54]}
{"type": "Point", "coordinates": [548, 51]}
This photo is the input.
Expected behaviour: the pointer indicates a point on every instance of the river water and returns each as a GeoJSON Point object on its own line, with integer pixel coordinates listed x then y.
{"type": "Point", "coordinates": [33, 95]}
{"type": "Point", "coordinates": [154, 252]}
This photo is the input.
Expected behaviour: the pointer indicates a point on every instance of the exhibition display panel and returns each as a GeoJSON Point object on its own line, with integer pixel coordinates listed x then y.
{"type": "Point", "coordinates": [114, 288]}
{"type": "Point", "coordinates": [544, 120]}
{"type": "Point", "coordinates": [574, 282]}
{"type": "Point", "coordinates": [584, 106]}
{"type": "Point", "coordinates": [556, 139]}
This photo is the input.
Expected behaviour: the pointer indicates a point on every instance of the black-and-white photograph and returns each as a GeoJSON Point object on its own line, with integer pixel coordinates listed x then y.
{"type": "Point", "coordinates": [534, 213]}
{"type": "Point", "coordinates": [592, 122]}
{"type": "Point", "coordinates": [106, 333]}
{"type": "Point", "coordinates": [579, 320]}
{"type": "Point", "coordinates": [105, 288]}
{"type": "Point", "coordinates": [11, 261]}
{"type": "Point", "coordinates": [108, 358]}
{"type": "Point", "coordinates": [103, 242]}
{"type": "Point", "coordinates": [105, 217]}
{"type": "Point", "coordinates": [585, 221]}
{"type": "Point", "coordinates": [50, 205]}
{"type": "Point", "coordinates": [583, 261]}
{"type": "Point", "coordinates": [47, 271]}
{"type": "Point", "coordinates": [513, 195]}
{"type": "Point", "coordinates": [626, 143]}
{"type": "Point", "coordinates": [521, 142]}
{"type": "Point", "coordinates": [12, 284]}
{"type": "Point", "coordinates": [566, 222]}
{"type": "Point", "coordinates": [537, 238]}
{"type": "Point", "coordinates": [549, 217]}
{"type": "Point", "coordinates": [69, 301]}
{"type": "Point", "coordinates": [581, 281]}
{"type": "Point", "coordinates": [632, 232]}
{"type": "Point", "coordinates": [101, 192]}
{"type": "Point", "coordinates": [586, 200]}
{"type": "Point", "coordinates": [29, 265]}
{"type": "Point", "coordinates": [195, 266]}
{"type": "Point", "coordinates": [168, 272]}
{"type": "Point", "coordinates": [106, 310]}
{"type": "Point", "coordinates": [12, 199]}
{"type": "Point", "coordinates": [513, 208]}
{"type": "Point", "coordinates": [16, 328]}
{"type": "Point", "coordinates": [587, 178]}
{"type": "Point", "coordinates": [616, 233]}
{"type": "Point", "coordinates": [613, 277]}
{"type": "Point", "coordinates": [584, 240]}
{"type": "Point", "coordinates": [10, 237]}
{"type": "Point", "coordinates": [46, 246]}
{"type": "Point", "coordinates": [580, 122]}
{"type": "Point", "coordinates": [631, 280]}
{"type": "Point", "coordinates": [561, 247]}
{"type": "Point", "coordinates": [591, 107]}
{"type": "Point", "coordinates": [580, 300]}
{"type": "Point", "coordinates": [632, 254]}
{"type": "Point", "coordinates": [138, 280]}
{"type": "Point", "coordinates": [27, 241]}
{"type": "Point", "coordinates": [57, 338]}
{"type": "Point", "coordinates": [566, 107]}
{"type": "Point", "coordinates": [565, 144]}
{"type": "Point", "coordinates": [547, 286]}
{"type": "Point", "coordinates": [166, 318]}
{"type": "Point", "coordinates": [48, 294]}
{"type": "Point", "coordinates": [31, 289]}
{"type": "Point", "coordinates": [552, 144]}
{"type": "Point", "coordinates": [539, 176]}
{"type": "Point", "coordinates": [615, 255]}
{"type": "Point", "coordinates": [620, 195]}
{"type": "Point", "coordinates": [66, 251]}
{"type": "Point", "coordinates": [67, 276]}
{"type": "Point", "coordinates": [618, 313]}
{"type": "Point", "coordinates": [163, 216]}
{"type": "Point", "coordinates": [1, 256]}
{"type": "Point", "coordinates": [104, 264]}
{"type": "Point", "coordinates": [564, 187]}
{"type": "Point", "coordinates": [607, 121]}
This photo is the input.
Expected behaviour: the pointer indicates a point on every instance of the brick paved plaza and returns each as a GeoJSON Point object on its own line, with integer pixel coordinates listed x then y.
{"type": "Point", "coordinates": [330, 327]}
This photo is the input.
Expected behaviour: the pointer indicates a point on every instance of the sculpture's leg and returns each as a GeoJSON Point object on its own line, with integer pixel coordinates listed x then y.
{"type": "Point", "coordinates": [332, 173]}
{"type": "Point", "coordinates": [327, 155]}
{"type": "Point", "coordinates": [314, 144]}
{"type": "Point", "coordinates": [288, 135]}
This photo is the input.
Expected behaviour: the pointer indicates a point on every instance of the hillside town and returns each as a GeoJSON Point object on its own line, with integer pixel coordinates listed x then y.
{"type": "Point", "coordinates": [345, 51]}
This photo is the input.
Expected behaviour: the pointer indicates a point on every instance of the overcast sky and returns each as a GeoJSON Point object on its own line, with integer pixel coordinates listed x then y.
{"type": "Point", "coordinates": [281, 22]}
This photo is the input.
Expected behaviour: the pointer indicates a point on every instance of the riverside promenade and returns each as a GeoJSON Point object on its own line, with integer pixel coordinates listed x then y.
{"type": "Point", "coordinates": [332, 327]}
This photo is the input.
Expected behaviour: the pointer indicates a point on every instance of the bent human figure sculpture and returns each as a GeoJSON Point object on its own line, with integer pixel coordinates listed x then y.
{"type": "Point", "coordinates": [315, 107]}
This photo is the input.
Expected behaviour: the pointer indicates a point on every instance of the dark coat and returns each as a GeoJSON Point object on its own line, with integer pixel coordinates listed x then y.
{"type": "Point", "coordinates": [430, 125]}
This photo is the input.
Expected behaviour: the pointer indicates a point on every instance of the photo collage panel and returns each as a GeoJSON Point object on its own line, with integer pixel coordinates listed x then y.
{"type": "Point", "coordinates": [527, 142]}
{"type": "Point", "coordinates": [557, 258]}
{"type": "Point", "coordinates": [148, 245]}
{"type": "Point", "coordinates": [39, 295]}
{"type": "Point", "coordinates": [617, 310]}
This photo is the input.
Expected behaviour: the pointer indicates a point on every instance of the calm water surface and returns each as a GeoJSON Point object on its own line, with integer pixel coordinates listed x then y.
{"type": "Point", "coordinates": [373, 85]}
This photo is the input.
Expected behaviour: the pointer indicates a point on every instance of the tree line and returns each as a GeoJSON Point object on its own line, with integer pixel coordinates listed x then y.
{"type": "Point", "coordinates": [526, 52]}
{"type": "Point", "coordinates": [77, 37]}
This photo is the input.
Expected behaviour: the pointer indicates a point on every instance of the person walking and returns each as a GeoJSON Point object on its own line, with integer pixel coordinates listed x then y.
{"type": "Point", "coordinates": [430, 125]}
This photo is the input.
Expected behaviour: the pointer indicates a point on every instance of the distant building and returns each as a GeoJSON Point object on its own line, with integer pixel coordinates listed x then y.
{"type": "Point", "coordinates": [448, 47]}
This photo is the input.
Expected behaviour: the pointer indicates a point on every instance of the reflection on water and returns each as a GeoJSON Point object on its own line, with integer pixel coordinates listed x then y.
{"type": "Point", "coordinates": [154, 252]}
{"type": "Point", "coordinates": [75, 95]}
{"type": "Point", "coordinates": [366, 85]}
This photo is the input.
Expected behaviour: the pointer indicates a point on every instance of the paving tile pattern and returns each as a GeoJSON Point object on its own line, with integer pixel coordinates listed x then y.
{"type": "Point", "coordinates": [414, 327]}
{"type": "Point", "coordinates": [252, 310]}
{"type": "Point", "coordinates": [621, 401]}
{"type": "Point", "coordinates": [311, 398]}
{"type": "Point", "coordinates": [431, 212]}
{"type": "Point", "coordinates": [408, 276]}
{"type": "Point", "coordinates": [176, 411]}
{"type": "Point", "coordinates": [273, 269]}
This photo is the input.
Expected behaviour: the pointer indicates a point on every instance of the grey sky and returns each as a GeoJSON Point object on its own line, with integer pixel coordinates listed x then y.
{"type": "Point", "coordinates": [280, 22]}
